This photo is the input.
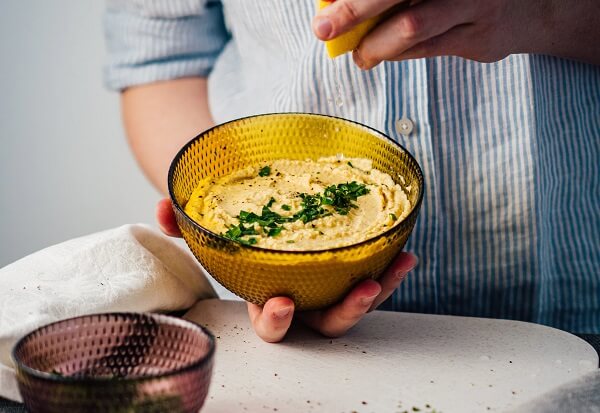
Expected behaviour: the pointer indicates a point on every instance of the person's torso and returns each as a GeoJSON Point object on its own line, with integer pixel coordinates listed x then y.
{"type": "Point", "coordinates": [510, 224]}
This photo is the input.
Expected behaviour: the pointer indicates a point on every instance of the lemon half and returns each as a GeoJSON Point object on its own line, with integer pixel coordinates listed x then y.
{"type": "Point", "coordinates": [349, 40]}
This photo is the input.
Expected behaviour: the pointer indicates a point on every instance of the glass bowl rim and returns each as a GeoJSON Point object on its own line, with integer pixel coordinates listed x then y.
{"type": "Point", "coordinates": [180, 322]}
{"type": "Point", "coordinates": [414, 210]}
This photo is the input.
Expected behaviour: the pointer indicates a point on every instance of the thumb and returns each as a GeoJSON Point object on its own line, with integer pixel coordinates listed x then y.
{"type": "Point", "coordinates": [272, 321]}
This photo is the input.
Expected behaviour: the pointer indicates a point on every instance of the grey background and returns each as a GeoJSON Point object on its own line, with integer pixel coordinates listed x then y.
{"type": "Point", "coordinates": [65, 167]}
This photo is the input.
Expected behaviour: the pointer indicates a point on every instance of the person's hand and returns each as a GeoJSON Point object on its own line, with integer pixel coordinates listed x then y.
{"type": "Point", "coordinates": [166, 218]}
{"type": "Point", "coordinates": [481, 30]}
{"type": "Point", "coordinates": [272, 321]}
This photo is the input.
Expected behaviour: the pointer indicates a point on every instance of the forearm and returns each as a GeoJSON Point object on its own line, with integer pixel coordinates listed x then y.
{"type": "Point", "coordinates": [160, 118]}
{"type": "Point", "coordinates": [569, 29]}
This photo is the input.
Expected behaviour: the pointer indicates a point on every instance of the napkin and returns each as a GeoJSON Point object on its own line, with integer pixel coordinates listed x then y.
{"type": "Point", "coordinates": [130, 268]}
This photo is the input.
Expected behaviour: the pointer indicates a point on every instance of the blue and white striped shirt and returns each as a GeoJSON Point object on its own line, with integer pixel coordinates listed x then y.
{"type": "Point", "coordinates": [510, 224]}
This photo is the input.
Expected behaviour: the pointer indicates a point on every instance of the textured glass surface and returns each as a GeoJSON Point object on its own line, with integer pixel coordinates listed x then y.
{"type": "Point", "coordinates": [119, 362]}
{"type": "Point", "coordinates": [313, 279]}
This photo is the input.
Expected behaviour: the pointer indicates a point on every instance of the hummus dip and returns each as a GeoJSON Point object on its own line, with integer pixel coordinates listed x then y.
{"type": "Point", "coordinates": [300, 205]}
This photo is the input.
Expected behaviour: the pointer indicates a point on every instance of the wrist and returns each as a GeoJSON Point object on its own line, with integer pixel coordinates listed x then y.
{"type": "Point", "coordinates": [562, 29]}
{"type": "Point", "coordinates": [536, 26]}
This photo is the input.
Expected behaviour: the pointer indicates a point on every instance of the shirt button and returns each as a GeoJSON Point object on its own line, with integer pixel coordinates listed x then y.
{"type": "Point", "coordinates": [405, 126]}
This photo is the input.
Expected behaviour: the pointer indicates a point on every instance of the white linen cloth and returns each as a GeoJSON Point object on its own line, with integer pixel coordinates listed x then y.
{"type": "Point", "coordinates": [129, 268]}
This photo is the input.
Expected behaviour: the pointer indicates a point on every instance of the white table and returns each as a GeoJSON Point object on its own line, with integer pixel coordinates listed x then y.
{"type": "Point", "coordinates": [390, 362]}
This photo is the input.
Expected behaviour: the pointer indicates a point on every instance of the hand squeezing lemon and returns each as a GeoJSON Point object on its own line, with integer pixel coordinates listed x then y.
{"type": "Point", "coordinates": [350, 40]}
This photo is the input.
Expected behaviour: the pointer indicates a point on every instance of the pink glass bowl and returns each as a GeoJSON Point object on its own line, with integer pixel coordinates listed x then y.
{"type": "Point", "coordinates": [115, 362]}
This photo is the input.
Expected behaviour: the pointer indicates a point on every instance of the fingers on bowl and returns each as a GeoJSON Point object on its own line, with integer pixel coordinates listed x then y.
{"type": "Point", "coordinates": [337, 320]}
{"type": "Point", "coordinates": [166, 218]}
{"type": "Point", "coordinates": [394, 275]}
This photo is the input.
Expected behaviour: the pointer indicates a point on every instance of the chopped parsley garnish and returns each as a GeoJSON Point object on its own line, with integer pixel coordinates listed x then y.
{"type": "Point", "coordinates": [341, 196]}
{"type": "Point", "coordinates": [393, 216]}
{"type": "Point", "coordinates": [270, 221]}
{"type": "Point", "coordinates": [267, 218]}
{"type": "Point", "coordinates": [236, 232]}
{"type": "Point", "coordinates": [290, 241]}
{"type": "Point", "coordinates": [312, 208]}
{"type": "Point", "coordinates": [336, 198]}
{"type": "Point", "coordinates": [274, 231]}
{"type": "Point", "coordinates": [265, 171]}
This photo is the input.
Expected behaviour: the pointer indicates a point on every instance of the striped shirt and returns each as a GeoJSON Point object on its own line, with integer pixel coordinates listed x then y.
{"type": "Point", "coordinates": [510, 223]}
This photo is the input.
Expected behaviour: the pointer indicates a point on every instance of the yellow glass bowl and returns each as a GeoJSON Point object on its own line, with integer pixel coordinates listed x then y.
{"type": "Point", "coordinates": [313, 279]}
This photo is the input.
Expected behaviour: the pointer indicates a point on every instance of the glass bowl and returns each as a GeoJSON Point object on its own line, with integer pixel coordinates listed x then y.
{"type": "Point", "coordinates": [313, 279]}
{"type": "Point", "coordinates": [115, 363]}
